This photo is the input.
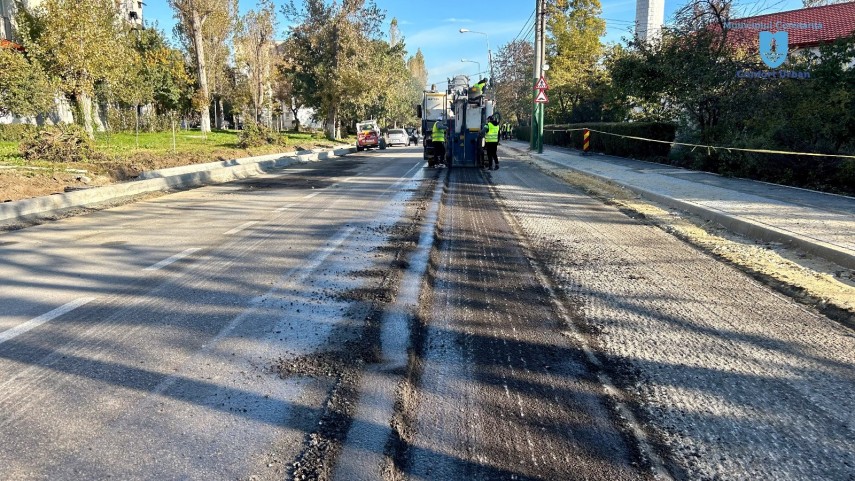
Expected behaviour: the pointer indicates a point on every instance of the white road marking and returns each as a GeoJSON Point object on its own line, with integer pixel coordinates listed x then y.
{"type": "Point", "coordinates": [241, 227]}
{"type": "Point", "coordinates": [38, 321]}
{"type": "Point", "coordinates": [170, 260]}
{"type": "Point", "coordinates": [283, 208]}
{"type": "Point", "coordinates": [311, 195]}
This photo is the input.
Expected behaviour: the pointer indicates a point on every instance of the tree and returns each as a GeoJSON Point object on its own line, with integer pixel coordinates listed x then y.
{"type": "Point", "coordinates": [329, 53]}
{"type": "Point", "coordinates": [25, 89]}
{"type": "Point", "coordinates": [285, 93]}
{"type": "Point", "coordinates": [164, 70]}
{"type": "Point", "coordinates": [79, 42]}
{"type": "Point", "coordinates": [254, 50]}
{"type": "Point", "coordinates": [201, 23]}
{"type": "Point", "coordinates": [514, 73]}
{"type": "Point", "coordinates": [573, 52]}
{"type": "Point", "coordinates": [416, 66]}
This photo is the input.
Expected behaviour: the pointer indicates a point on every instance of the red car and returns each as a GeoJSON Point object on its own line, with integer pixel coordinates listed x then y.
{"type": "Point", "coordinates": [368, 135]}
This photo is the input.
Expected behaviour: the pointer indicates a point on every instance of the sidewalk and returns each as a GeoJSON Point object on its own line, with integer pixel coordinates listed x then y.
{"type": "Point", "coordinates": [823, 224]}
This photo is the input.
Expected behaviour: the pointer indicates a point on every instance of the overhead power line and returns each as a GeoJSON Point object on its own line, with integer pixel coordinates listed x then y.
{"type": "Point", "coordinates": [525, 25]}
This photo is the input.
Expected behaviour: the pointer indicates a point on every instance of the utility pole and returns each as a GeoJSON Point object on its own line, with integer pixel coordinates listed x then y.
{"type": "Point", "coordinates": [536, 142]}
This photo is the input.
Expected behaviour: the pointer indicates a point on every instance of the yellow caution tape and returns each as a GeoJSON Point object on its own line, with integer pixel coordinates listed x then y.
{"type": "Point", "coordinates": [712, 147]}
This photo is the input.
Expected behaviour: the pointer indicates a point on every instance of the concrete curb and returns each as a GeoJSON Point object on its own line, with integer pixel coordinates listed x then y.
{"type": "Point", "coordinates": [739, 225]}
{"type": "Point", "coordinates": [164, 179]}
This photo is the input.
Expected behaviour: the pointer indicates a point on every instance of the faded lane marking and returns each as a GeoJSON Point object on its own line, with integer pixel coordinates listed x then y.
{"type": "Point", "coordinates": [283, 208]}
{"type": "Point", "coordinates": [310, 195]}
{"type": "Point", "coordinates": [241, 227]}
{"type": "Point", "coordinates": [170, 260]}
{"type": "Point", "coordinates": [38, 321]}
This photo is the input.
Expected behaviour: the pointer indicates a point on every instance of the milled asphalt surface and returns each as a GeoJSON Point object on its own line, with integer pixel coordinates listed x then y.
{"type": "Point", "coordinates": [770, 212]}
{"type": "Point", "coordinates": [501, 393]}
{"type": "Point", "coordinates": [733, 380]}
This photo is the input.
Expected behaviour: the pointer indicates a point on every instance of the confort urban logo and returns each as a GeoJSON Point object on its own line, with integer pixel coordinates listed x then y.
{"type": "Point", "coordinates": [774, 47]}
{"type": "Point", "coordinates": [771, 51]}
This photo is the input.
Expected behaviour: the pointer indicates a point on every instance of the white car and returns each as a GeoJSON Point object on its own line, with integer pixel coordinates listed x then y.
{"type": "Point", "coordinates": [397, 137]}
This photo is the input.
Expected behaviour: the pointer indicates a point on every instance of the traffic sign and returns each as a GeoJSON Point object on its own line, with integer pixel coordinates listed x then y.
{"type": "Point", "coordinates": [541, 97]}
{"type": "Point", "coordinates": [541, 84]}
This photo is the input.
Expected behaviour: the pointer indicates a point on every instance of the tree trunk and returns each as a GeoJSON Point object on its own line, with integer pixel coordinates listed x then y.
{"type": "Point", "coordinates": [218, 112]}
{"type": "Point", "coordinates": [84, 102]}
{"type": "Point", "coordinates": [295, 109]}
{"type": "Point", "coordinates": [201, 70]}
{"type": "Point", "coordinates": [332, 123]}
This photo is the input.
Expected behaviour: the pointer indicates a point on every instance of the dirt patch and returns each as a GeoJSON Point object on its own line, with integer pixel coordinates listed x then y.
{"type": "Point", "coordinates": [813, 281]}
{"type": "Point", "coordinates": [16, 185]}
{"type": "Point", "coordinates": [20, 183]}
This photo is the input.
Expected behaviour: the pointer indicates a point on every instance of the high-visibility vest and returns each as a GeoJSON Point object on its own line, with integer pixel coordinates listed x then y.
{"type": "Point", "coordinates": [492, 133]}
{"type": "Point", "coordinates": [437, 134]}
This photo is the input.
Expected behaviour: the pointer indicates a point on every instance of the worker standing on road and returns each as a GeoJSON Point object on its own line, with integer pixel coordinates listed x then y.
{"type": "Point", "coordinates": [491, 142]}
{"type": "Point", "coordinates": [438, 139]}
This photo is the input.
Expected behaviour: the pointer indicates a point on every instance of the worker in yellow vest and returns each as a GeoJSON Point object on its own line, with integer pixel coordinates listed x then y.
{"type": "Point", "coordinates": [437, 138]}
{"type": "Point", "coordinates": [491, 142]}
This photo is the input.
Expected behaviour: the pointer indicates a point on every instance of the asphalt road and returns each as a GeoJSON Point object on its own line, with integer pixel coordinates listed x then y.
{"type": "Point", "coordinates": [138, 342]}
{"type": "Point", "coordinates": [367, 318]}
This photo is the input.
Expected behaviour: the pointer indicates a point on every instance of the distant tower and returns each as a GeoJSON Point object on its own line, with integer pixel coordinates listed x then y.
{"type": "Point", "coordinates": [649, 17]}
{"type": "Point", "coordinates": [6, 12]}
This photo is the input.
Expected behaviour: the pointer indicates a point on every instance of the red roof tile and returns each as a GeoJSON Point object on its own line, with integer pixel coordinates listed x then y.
{"type": "Point", "coordinates": [838, 21]}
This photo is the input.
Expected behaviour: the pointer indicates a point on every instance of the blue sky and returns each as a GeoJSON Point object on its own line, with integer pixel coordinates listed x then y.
{"type": "Point", "coordinates": [434, 25]}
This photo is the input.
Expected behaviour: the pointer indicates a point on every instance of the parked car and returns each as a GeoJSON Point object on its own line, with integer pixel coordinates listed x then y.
{"type": "Point", "coordinates": [397, 137]}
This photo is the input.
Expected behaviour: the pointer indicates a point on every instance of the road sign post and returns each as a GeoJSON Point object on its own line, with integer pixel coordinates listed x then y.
{"type": "Point", "coordinates": [539, 100]}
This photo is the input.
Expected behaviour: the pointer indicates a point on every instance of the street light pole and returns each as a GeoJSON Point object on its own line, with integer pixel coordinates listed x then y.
{"type": "Point", "coordinates": [489, 53]}
{"type": "Point", "coordinates": [473, 61]}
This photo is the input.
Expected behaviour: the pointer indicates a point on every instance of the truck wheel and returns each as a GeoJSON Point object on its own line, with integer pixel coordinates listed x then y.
{"type": "Point", "coordinates": [359, 148]}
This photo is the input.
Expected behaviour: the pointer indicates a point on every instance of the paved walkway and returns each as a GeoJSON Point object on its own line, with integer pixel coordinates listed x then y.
{"type": "Point", "coordinates": [823, 224]}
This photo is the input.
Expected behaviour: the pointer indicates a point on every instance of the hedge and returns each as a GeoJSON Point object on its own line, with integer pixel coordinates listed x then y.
{"type": "Point", "coordinates": [828, 174]}
{"type": "Point", "coordinates": [16, 132]}
{"type": "Point", "coordinates": [568, 136]}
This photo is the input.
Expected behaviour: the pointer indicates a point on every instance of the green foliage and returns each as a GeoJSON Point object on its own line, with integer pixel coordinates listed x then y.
{"type": "Point", "coordinates": [254, 50]}
{"type": "Point", "coordinates": [255, 134]}
{"type": "Point", "coordinates": [16, 132]}
{"type": "Point", "coordinates": [79, 43]}
{"type": "Point", "coordinates": [25, 89]}
{"type": "Point", "coordinates": [61, 143]}
{"type": "Point", "coordinates": [514, 64]}
{"type": "Point", "coordinates": [331, 54]}
{"type": "Point", "coordinates": [573, 52]}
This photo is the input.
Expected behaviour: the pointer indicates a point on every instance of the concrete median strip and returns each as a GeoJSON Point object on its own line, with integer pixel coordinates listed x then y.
{"type": "Point", "coordinates": [159, 180]}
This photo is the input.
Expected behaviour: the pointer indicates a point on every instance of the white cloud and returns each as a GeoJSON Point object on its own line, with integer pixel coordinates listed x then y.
{"type": "Point", "coordinates": [458, 20]}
